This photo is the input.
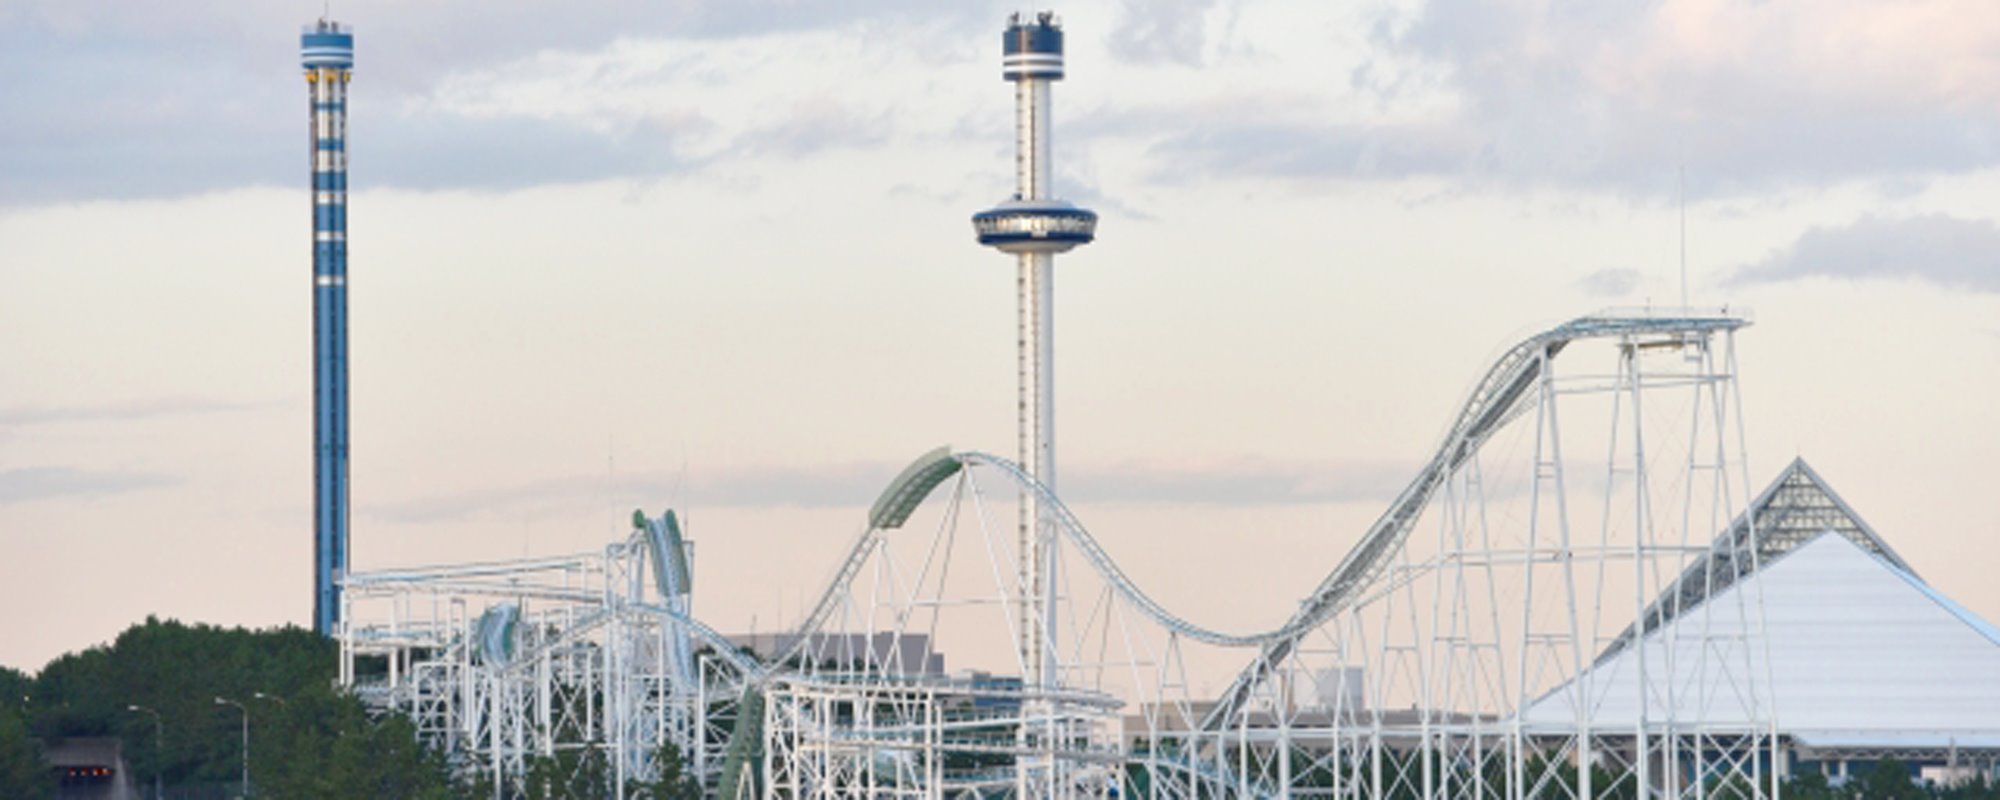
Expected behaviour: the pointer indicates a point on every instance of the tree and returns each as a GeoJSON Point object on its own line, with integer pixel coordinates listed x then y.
{"type": "Point", "coordinates": [1977, 788]}
{"type": "Point", "coordinates": [14, 690]}
{"type": "Point", "coordinates": [570, 774]}
{"type": "Point", "coordinates": [674, 782]}
{"type": "Point", "coordinates": [1810, 785]}
{"type": "Point", "coordinates": [23, 773]}
{"type": "Point", "coordinates": [310, 739]}
{"type": "Point", "coordinates": [1890, 780]}
{"type": "Point", "coordinates": [1734, 787]}
{"type": "Point", "coordinates": [322, 743]}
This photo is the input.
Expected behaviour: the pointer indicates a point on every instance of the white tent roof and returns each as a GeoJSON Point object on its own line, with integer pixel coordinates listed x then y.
{"type": "Point", "coordinates": [1859, 651]}
{"type": "Point", "coordinates": [1794, 509]}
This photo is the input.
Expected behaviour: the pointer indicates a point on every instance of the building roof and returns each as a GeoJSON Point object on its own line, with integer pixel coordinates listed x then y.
{"type": "Point", "coordinates": [1794, 509]}
{"type": "Point", "coordinates": [82, 751]}
{"type": "Point", "coordinates": [1855, 649]}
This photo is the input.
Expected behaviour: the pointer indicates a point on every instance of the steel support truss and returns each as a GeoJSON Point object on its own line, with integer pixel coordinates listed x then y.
{"type": "Point", "coordinates": [1470, 644]}
{"type": "Point", "coordinates": [586, 665]}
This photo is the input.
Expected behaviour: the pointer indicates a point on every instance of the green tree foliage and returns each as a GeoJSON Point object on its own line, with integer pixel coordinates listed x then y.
{"type": "Point", "coordinates": [1890, 780]}
{"type": "Point", "coordinates": [674, 781]}
{"type": "Point", "coordinates": [14, 690]}
{"type": "Point", "coordinates": [585, 774]}
{"type": "Point", "coordinates": [569, 774]}
{"type": "Point", "coordinates": [1810, 785]}
{"type": "Point", "coordinates": [178, 670]}
{"type": "Point", "coordinates": [1979, 788]}
{"type": "Point", "coordinates": [323, 744]}
{"type": "Point", "coordinates": [1734, 787]}
{"type": "Point", "coordinates": [308, 740]}
{"type": "Point", "coordinates": [23, 774]}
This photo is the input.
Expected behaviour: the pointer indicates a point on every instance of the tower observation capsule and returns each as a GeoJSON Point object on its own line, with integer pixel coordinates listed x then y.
{"type": "Point", "coordinates": [1033, 226]}
{"type": "Point", "coordinates": [327, 50]}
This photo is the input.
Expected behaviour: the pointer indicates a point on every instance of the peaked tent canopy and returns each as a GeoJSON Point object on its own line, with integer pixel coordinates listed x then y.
{"type": "Point", "coordinates": [1794, 509]}
{"type": "Point", "coordinates": [1855, 652]}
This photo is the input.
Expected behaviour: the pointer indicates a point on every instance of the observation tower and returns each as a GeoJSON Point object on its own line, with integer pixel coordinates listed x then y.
{"type": "Point", "coordinates": [1033, 226]}
{"type": "Point", "coordinates": [327, 50]}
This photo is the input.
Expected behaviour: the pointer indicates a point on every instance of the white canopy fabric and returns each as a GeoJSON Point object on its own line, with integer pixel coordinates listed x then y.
{"type": "Point", "coordinates": [1794, 509]}
{"type": "Point", "coordinates": [1855, 650]}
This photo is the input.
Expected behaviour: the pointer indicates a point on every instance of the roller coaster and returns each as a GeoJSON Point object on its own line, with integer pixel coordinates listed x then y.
{"type": "Point", "coordinates": [1459, 649]}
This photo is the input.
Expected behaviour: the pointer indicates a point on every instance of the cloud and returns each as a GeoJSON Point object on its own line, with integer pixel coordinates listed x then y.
{"type": "Point", "coordinates": [1949, 252]}
{"type": "Point", "coordinates": [1305, 150]}
{"type": "Point", "coordinates": [815, 125]}
{"type": "Point", "coordinates": [1610, 282]}
{"type": "Point", "coordinates": [410, 46]}
{"type": "Point", "coordinates": [115, 101]}
{"type": "Point", "coordinates": [444, 151]}
{"type": "Point", "coordinates": [25, 416]}
{"type": "Point", "coordinates": [122, 101]}
{"type": "Point", "coordinates": [135, 119]}
{"type": "Point", "coordinates": [28, 484]}
{"type": "Point", "coordinates": [1616, 96]}
{"type": "Point", "coordinates": [1153, 31]}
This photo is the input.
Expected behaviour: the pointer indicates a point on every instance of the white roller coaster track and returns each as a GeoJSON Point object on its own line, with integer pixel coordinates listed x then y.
{"type": "Point", "coordinates": [1224, 739]}
{"type": "Point", "coordinates": [1497, 398]}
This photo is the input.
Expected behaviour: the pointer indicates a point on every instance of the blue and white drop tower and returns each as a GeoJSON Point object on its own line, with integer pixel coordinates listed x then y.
{"type": "Point", "coordinates": [1033, 226]}
{"type": "Point", "coordinates": [327, 50]}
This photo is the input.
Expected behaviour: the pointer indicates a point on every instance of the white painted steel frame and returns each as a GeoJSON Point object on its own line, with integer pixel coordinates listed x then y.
{"type": "Point", "coordinates": [1437, 640]}
{"type": "Point", "coordinates": [1468, 673]}
{"type": "Point", "coordinates": [590, 665]}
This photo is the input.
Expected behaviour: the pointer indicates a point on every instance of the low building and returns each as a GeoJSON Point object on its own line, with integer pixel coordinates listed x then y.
{"type": "Point", "coordinates": [90, 768]}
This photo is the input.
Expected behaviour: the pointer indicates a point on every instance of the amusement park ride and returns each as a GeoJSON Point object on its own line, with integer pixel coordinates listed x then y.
{"type": "Point", "coordinates": [1451, 653]}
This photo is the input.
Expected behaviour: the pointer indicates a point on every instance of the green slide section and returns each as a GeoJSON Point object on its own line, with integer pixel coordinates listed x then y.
{"type": "Point", "coordinates": [742, 761]}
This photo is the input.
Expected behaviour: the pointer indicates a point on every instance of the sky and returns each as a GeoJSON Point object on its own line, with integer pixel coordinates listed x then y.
{"type": "Point", "coordinates": [716, 256]}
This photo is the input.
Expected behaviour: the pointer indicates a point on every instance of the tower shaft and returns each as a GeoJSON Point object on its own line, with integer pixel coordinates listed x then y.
{"type": "Point", "coordinates": [1034, 171]}
{"type": "Point", "coordinates": [328, 54]}
{"type": "Point", "coordinates": [1035, 281]}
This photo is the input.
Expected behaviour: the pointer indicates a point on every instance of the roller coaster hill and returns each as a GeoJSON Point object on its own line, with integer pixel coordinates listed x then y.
{"type": "Point", "coordinates": [1568, 516]}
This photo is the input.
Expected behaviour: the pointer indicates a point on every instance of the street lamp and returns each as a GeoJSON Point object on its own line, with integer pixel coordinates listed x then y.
{"type": "Point", "coordinates": [159, 747]}
{"type": "Point", "coordinates": [271, 697]}
{"type": "Point", "coordinates": [246, 740]}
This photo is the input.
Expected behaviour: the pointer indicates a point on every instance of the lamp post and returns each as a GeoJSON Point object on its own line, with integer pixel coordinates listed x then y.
{"type": "Point", "coordinates": [159, 747]}
{"type": "Point", "coordinates": [246, 740]}
{"type": "Point", "coordinates": [267, 726]}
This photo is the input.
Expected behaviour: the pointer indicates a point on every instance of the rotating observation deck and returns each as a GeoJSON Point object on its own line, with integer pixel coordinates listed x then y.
{"type": "Point", "coordinates": [1033, 221]}
{"type": "Point", "coordinates": [1035, 226]}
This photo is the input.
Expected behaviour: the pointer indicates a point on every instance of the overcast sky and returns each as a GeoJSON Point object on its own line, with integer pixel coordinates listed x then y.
{"type": "Point", "coordinates": [616, 253]}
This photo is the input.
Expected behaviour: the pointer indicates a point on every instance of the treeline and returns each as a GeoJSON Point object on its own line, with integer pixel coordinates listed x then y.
{"type": "Point", "coordinates": [306, 738]}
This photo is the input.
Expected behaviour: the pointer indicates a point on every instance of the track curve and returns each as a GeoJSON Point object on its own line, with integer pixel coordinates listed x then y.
{"type": "Point", "coordinates": [1499, 396]}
